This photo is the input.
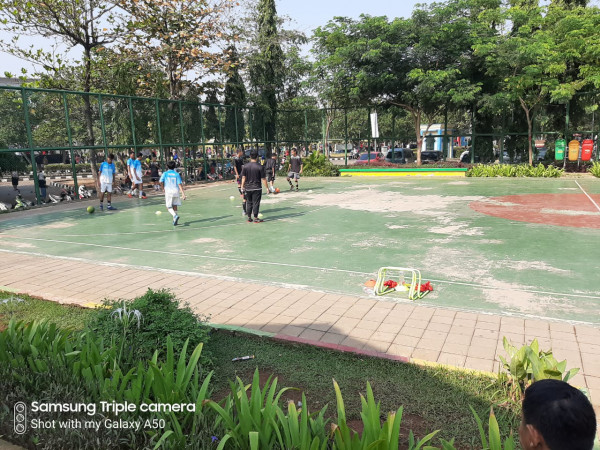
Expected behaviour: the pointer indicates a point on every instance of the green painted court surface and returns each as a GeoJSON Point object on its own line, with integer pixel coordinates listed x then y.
{"type": "Point", "coordinates": [334, 234]}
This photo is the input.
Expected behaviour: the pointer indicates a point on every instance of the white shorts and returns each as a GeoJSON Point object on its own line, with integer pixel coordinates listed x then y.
{"type": "Point", "coordinates": [136, 180]}
{"type": "Point", "coordinates": [172, 200]}
{"type": "Point", "coordinates": [105, 187]}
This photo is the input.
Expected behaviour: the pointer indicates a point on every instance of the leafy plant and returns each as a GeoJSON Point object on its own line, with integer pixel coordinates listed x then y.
{"type": "Point", "coordinates": [375, 435]}
{"type": "Point", "coordinates": [300, 430]}
{"type": "Point", "coordinates": [528, 364]}
{"type": "Point", "coordinates": [317, 165]}
{"type": "Point", "coordinates": [595, 169]}
{"type": "Point", "coordinates": [521, 170]}
{"type": "Point", "coordinates": [250, 421]}
{"type": "Point", "coordinates": [163, 315]}
{"type": "Point", "coordinates": [492, 441]}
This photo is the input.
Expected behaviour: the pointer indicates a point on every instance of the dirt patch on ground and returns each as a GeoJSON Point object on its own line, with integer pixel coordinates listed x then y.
{"type": "Point", "coordinates": [386, 202]}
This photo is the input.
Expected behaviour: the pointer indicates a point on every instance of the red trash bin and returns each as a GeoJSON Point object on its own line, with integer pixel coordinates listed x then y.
{"type": "Point", "coordinates": [587, 149]}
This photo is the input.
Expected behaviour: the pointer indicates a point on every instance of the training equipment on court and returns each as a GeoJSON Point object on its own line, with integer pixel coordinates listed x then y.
{"type": "Point", "coordinates": [277, 190]}
{"type": "Point", "coordinates": [91, 209]}
{"type": "Point", "coordinates": [310, 191]}
{"type": "Point", "coordinates": [158, 213]}
{"type": "Point", "coordinates": [232, 198]}
{"type": "Point", "coordinates": [409, 280]}
{"type": "Point", "coordinates": [260, 215]}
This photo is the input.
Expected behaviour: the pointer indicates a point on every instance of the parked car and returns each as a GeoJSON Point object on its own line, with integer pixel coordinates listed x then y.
{"type": "Point", "coordinates": [401, 156]}
{"type": "Point", "coordinates": [431, 156]}
{"type": "Point", "coordinates": [366, 158]}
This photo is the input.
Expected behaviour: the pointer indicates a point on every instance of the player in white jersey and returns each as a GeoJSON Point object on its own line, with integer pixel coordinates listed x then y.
{"type": "Point", "coordinates": [172, 186]}
{"type": "Point", "coordinates": [106, 174]}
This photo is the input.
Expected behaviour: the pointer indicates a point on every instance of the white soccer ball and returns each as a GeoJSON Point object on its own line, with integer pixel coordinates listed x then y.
{"type": "Point", "coordinates": [260, 215]}
{"type": "Point", "coordinates": [232, 198]}
{"type": "Point", "coordinates": [310, 191]}
{"type": "Point", "coordinates": [158, 213]}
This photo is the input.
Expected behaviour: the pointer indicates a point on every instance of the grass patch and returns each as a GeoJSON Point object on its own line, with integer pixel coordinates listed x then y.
{"type": "Point", "coordinates": [24, 307]}
{"type": "Point", "coordinates": [433, 397]}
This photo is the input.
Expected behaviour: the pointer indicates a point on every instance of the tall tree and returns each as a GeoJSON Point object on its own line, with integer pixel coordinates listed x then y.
{"type": "Point", "coordinates": [180, 36]}
{"type": "Point", "coordinates": [87, 25]}
{"type": "Point", "coordinates": [235, 99]}
{"type": "Point", "coordinates": [266, 69]}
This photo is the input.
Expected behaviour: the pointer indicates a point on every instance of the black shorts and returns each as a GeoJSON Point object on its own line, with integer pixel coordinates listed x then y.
{"type": "Point", "coordinates": [15, 181]}
{"type": "Point", "coordinates": [155, 178]}
{"type": "Point", "coordinates": [270, 177]}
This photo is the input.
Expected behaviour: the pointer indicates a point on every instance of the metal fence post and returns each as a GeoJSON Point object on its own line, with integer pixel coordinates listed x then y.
{"type": "Point", "coordinates": [160, 139]}
{"type": "Point", "coordinates": [70, 136]}
{"type": "Point", "coordinates": [346, 135]}
{"type": "Point", "coordinates": [102, 125]}
{"type": "Point", "coordinates": [185, 174]}
{"type": "Point", "coordinates": [25, 99]}
{"type": "Point", "coordinates": [132, 125]}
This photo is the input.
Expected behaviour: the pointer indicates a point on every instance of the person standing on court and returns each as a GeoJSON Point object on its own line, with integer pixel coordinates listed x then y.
{"type": "Point", "coordinates": [253, 175]}
{"type": "Point", "coordinates": [128, 173]}
{"type": "Point", "coordinates": [295, 169]}
{"type": "Point", "coordinates": [137, 174]}
{"type": "Point", "coordinates": [238, 163]}
{"type": "Point", "coordinates": [172, 186]}
{"type": "Point", "coordinates": [106, 175]}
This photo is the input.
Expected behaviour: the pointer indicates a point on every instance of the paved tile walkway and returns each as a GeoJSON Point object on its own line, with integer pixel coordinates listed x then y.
{"type": "Point", "coordinates": [397, 330]}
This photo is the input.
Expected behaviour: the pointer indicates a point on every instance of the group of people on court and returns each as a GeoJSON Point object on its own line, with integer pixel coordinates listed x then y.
{"type": "Point", "coordinates": [250, 177]}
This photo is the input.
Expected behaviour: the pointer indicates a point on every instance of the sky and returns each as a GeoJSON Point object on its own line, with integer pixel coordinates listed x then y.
{"type": "Point", "coordinates": [306, 15]}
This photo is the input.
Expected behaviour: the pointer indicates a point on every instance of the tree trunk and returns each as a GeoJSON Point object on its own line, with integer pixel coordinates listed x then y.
{"type": "Point", "coordinates": [87, 112]}
{"type": "Point", "coordinates": [529, 129]}
{"type": "Point", "coordinates": [417, 118]}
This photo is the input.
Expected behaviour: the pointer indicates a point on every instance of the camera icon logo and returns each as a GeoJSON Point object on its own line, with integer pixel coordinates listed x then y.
{"type": "Point", "coordinates": [20, 410]}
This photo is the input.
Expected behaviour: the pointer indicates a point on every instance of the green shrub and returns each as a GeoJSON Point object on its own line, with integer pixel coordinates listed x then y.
{"type": "Point", "coordinates": [595, 169]}
{"type": "Point", "coordinates": [521, 170]}
{"type": "Point", "coordinates": [315, 165]}
{"type": "Point", "coordinates": [528, 364]}
{"type": "Point", "coordinates": [67, 168]}
{"type": "Point", "coordinates": [162, 315]}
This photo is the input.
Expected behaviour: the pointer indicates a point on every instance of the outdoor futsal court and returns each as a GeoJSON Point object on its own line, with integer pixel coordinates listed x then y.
{"type": "Point", "coordinates": [526, 247]}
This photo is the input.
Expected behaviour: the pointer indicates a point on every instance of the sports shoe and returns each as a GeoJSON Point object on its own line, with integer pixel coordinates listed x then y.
{"type": "Point", "coordinates": [102, 207]}
{"type": "Point", "coordinates": [291, 187]}
{"type": "Point", "coordinates": [110, 208]}
{"type": "Point", "coordinates": [143, 196]}
{"type": "Point", "coordinates": [250, 219]}
{"type": "Point", "coordinates": [175, 220]}
{"type": "Point", "coordinates": [243, 213]}
{"type": "Point", "coordinates": [129, 195]}
{"type": "Point", "coordinates": [297, 189]}
{"type": "Point", "coordinates": [257, 220]}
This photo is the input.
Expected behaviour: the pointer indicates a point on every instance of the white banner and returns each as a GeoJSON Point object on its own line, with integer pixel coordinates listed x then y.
{"type": "Point", "coordinates": [374, 126]}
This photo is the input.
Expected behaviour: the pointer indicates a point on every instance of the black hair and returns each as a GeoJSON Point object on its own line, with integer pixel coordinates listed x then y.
{"type": "Point", "coordinates": [111, 156]}
{"type": "Point", "coordinates": [562, 414]}
{"type": "Point", "coordinates": [132, 152]}
{"type": "Point", "coordinates": [140, 155]}
{"type": "Point", "coordinates": [254, 154]}
{"type": "Point", "coordinates": [171, 165]}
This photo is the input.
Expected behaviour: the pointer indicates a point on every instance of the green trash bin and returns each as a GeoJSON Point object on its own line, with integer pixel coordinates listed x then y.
{"type": "Point", "coordinates": [559, 149]}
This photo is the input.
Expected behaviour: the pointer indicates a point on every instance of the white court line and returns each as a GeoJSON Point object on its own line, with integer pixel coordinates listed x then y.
{"type": "Point", "coordinates": [291, 286]}
{"type": "Point", "coordinates": [300, 266]}
{"type": "Point", "coordinates": [587, 195]}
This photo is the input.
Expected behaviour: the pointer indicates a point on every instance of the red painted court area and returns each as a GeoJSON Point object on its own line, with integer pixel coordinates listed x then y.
{"type": "Point", "coordinates": [564, 210]}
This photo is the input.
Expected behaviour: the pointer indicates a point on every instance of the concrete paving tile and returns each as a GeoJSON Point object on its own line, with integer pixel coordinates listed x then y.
{"type": "Point", "coordinates": [451, 359]}
{"type": "Point", "coordinates": [312, 335]}
{"type": "Point", "coordinates": [482, 364]}
{"type": "Point", "coordinates": [464, 323]}
{"type": "Point", "coordinates": [355, 342]}
{"type": "Point", "coordinates": [425, 354]}
{"type": "Point", "coordinates": [482, 352]}
{"type": "Point", "coordinates": [332, 338]}
{"type": "Point", "coordinates": [368, 324]}
{"type": "Point", "coordinates": [443, 320]}
{"type": "Point", "coordinates": [587, 330]}
{"type": "Point", "coordinates": [408, 341]}
{"type": "Point", "coordinates": [416, 323]}
{"type": "Point", "coordinates": [457, 329]}
{"type": "Point", "coordinates": [400, 350]}
{"type": "Point", "coordinates": [486, 334]}
{"type": "Point", "coordinates": [561, 327]}
{"type": "Point", "coordinates": [441, 327]}
{"type": "Point", "coordinates": [378, 346]}
{"type": "Point", "coordinates": [461, 339]}
{"type": "Point", "coordinates": [361, 333]}
{"type": "Point", "coordinates": [383, 336]}
{"type": "Point", "coordinates": [430, 344]}
{"type": "Point", "coordinates": [441, 312]}
{"type": "Point", "coordinates": [410, 331]}
{"type": "Point", "coordinates": [456, 349]}
{"type": "Point", "coordinates": [390, 328]}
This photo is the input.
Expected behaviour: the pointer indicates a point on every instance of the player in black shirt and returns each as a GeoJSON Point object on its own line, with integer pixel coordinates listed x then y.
{"type": "Point", "coordinates": [252, 175]}
{"type": "Point", "coordinates": [295, 169]}
{"type": "Point", "coordinates": [238, 164]}
{"type": "Point", "coordinates": [270, 169]}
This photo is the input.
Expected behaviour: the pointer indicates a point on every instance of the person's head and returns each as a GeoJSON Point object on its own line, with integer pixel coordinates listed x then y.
{"type": "Point", "coordinates": [556, 416]}
{"type": "Point", "coordinates": [171, 165]}
{"type": "Point", "coordinates": [132, 154]}
{"type": "Point", "coordinates": [254, 154]}
{"type": "Point", "coordinates": [274, 155]}
{"type": "Point", "coordinates": [240, 152]}
{"type": "Point", "coordinates": [140, 156]}
{"type": "Point", "coordinates": [110, 158]}
{"type": "Point", "coordinates": [294, 152]}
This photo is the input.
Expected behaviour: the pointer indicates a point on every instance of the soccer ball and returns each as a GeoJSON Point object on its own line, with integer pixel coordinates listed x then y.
{"type": "Point", "coordinates": [277, 190]}
{"type": "Point", "coordinates": [91, 209]}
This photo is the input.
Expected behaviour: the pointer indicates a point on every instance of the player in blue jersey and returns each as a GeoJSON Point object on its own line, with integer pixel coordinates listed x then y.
{"type": "Point", "coordinates": [136, 176]}
{"type": "Point", "coordinates": [172, 186]}
{"type": "Point", "coordinates": [128, 169]}
{"type": "Point", "coordinates": [106, 174]}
